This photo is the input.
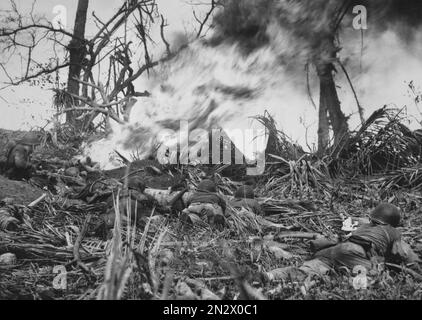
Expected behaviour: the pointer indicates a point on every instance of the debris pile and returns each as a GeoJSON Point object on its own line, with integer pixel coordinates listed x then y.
{"type": "Point", "coordinates": [72, 231]}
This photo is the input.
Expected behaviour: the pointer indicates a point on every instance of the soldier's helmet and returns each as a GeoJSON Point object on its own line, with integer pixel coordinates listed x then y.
{"type": "Point", "coordinates": [207, 185]}
{"type": "Point", "coordinates": [244, 192]}
{"type": "Point", "coordinates": [386, 213]}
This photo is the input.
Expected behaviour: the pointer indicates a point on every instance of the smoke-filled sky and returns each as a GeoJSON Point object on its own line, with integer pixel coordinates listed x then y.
{"type": "Point", "coordinates": [224, 86]}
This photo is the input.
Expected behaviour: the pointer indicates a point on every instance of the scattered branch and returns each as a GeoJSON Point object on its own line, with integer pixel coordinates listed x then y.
{"type": "Point", "coordinates": [106, 43]}
{"type": "Point", "coordinates": [162, 26]}
{"type": "Point", "coordinates": [360, 109]}
{"type": "Point", "coordinates": [308, 86]}
{"type": "Point", "coordinates": [207, 16]}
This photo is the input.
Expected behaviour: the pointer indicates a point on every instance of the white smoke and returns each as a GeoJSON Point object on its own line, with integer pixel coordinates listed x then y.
{"type": "Point", "coordinates": [221, 86]}
{"type": "Point", "coordinates": [388, 65]}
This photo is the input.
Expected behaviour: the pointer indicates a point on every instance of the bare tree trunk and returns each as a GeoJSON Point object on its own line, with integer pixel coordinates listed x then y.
{"type": "Point", "coordinates": [323, 125]}
{"type": "Point", "coordinates": [329, 101]}
{"type": "Point", "coordinates": [77, 53]}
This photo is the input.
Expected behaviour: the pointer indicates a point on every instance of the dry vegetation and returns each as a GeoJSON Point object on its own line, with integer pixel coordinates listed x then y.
{"type": "Point", "coordinates": [166, 259]}
{"type": "Point", "coordinates": [303, 195]}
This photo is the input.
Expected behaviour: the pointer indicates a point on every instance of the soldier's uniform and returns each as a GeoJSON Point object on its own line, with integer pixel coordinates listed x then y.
{"type": "Point", "coordinates": [244, 197]}
{"type": "Point", "coordinates": [368, 241]}
{"type": "Point", "coordinates": [18, 156]}
{"type": "Point", "coordinates": [206, 203]}
{"type": "Point", "coordinates": [133, 204]}
{"type": "Point", "coordinates": [379, 239]}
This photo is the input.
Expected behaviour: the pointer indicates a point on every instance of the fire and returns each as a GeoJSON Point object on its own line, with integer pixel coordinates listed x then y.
{"type": "Point", "coordinates": [209, 87]}
{"type": "Point", "coordinates": [220, 86]}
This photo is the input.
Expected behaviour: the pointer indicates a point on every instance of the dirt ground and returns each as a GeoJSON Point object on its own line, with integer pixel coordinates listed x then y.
{"type": "Point", "coordinates": [21, 191]}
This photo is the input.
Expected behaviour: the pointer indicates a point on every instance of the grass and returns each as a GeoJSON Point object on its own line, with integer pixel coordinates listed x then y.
{"type": "Point", "coordinates": [162, 258]}
{"type": "Point", "coordinates": [165, 256]}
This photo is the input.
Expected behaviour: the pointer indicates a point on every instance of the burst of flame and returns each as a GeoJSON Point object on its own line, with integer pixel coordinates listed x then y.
{"type": "Point", "coordinates": [219, 86]}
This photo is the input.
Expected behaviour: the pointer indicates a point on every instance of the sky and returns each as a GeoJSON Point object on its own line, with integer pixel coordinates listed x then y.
{"type": "Point", "coordinates": [28, 106]}
{"type": "Point", "coordinates": [380, 71]}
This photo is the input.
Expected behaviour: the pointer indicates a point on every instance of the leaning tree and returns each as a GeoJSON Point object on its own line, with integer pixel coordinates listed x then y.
{"type": "Point", "coordinates": [313, 31]}
{"type": "Point", "coordinates": [101, 68]}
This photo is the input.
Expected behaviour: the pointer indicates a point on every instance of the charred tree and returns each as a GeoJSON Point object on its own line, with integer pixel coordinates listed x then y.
{"type": "Point", "coordinates": [329, 101]}
{"type": "Point", "coordinates": [77, 52]}
{"type": "Point", "coordinates": [323, 125]}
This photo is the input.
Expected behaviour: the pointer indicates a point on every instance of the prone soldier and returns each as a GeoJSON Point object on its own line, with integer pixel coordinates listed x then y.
{"type": "Point", "coordinates": [18, 157]}
{"type": "Point", "coordinates": [244, 197]}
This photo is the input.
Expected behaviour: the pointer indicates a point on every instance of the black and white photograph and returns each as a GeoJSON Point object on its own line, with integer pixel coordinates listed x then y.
{"type": "Point", "coordinates": [210, 154]}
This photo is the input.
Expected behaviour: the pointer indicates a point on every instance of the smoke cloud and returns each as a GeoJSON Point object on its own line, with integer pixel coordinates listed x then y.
{"type": "Point", "coordinates": [223, 81]}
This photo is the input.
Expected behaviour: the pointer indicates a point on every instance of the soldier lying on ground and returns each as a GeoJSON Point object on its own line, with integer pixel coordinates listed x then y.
{"type": "Point", "coordinates": [133, 204]}
{"type": "Point", "coordinates": [244, 197]}
{"type": "Point", "coordinates": [18, 162]}
{"type": "Point", "coordinates": [378, 241]}
{"type": "Point", "coordinates": [205, 203]}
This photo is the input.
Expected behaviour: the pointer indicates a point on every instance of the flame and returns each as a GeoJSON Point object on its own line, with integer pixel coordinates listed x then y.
{"type": "Point", "coordinates": [219, 86]}
{"type": "Point", "coordinates": [209, 87]}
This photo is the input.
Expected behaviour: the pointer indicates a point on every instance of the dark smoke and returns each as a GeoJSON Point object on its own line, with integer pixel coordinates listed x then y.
{"type": "Point", "coordinates": [402, 16]}
{"type": "Point", "coordinates": [408, 12]}
{"type": "Point", "coordinates": [246, 21]}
